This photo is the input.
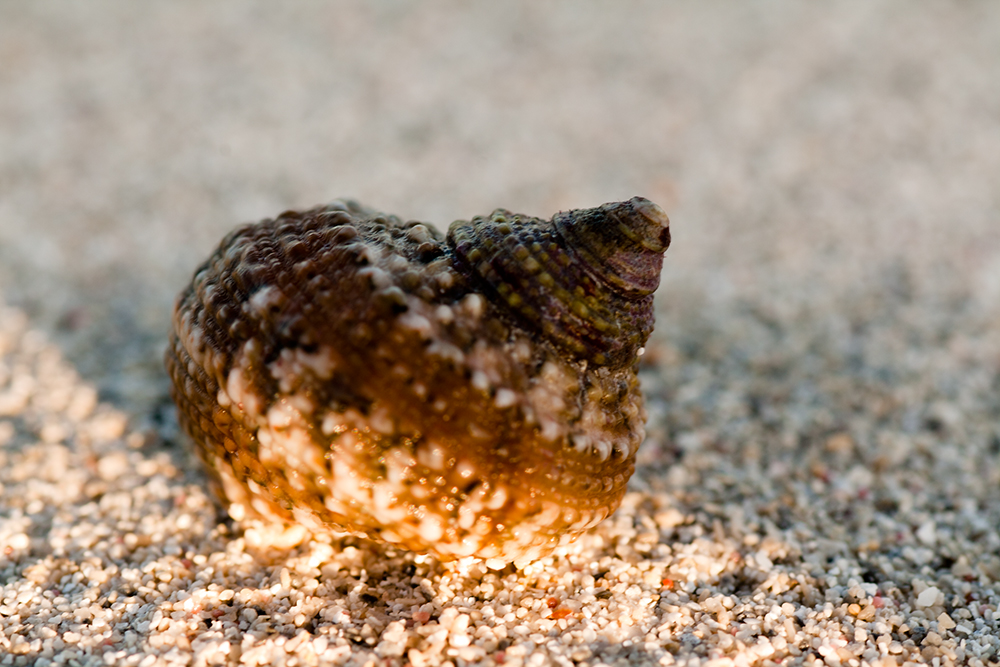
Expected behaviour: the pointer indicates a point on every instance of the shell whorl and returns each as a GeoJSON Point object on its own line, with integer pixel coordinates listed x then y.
{"type": "Point", "coordinates": [468, 395]}
{"type": "Point", "coordinates": [584, 280]}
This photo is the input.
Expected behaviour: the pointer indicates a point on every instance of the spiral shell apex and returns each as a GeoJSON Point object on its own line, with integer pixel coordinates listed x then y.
{"type": "Point", "coordinates": [473, 395]}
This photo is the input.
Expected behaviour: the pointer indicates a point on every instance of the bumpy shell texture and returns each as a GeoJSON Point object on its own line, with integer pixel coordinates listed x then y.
{"type": "Point", "coordinates": [474, 395]}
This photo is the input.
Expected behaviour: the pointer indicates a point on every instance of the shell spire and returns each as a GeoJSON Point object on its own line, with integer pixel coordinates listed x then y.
{"type": "Point", "coordinates": [584, 279]}
{"type": "Point", "coordinates": [622, 242]}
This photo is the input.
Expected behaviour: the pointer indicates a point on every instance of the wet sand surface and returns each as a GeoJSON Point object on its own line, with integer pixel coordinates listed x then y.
{"type": "Point", "coordinates": [821, 478]}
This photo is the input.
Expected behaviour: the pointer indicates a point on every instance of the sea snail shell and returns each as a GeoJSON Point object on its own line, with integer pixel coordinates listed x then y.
{"type": "Point", "coordinates": [474, 395]}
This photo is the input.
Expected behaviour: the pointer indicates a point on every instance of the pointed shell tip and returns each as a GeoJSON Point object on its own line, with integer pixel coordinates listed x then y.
{"type": "Point", "coordinates": [650, 210]}
{"type": "Point", "coordinates": [650, 222]}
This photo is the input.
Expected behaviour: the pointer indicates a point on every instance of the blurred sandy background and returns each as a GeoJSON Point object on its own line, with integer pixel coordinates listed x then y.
{"type": "Point", "coordinates": [832, 171]}
{"type": "Point", "coordinates": [133, 136]}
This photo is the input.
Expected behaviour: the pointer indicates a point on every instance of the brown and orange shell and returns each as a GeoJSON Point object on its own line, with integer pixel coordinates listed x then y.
{"type": "Point", "coordinates": [472, 395]}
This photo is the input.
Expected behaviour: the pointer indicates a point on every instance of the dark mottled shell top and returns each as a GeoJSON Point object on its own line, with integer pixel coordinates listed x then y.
{"type": "Point", "coordinates": [472, 395]}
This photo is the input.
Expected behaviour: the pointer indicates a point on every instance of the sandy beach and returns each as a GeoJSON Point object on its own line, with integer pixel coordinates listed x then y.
{"type": "Point", "coordinates": [820, 483]}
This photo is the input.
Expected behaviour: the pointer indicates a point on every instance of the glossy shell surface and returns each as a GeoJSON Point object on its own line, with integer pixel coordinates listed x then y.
{"type": "Point", "coordinates": [473, 394]}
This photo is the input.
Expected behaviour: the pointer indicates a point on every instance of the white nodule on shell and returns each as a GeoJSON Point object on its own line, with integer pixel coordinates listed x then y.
{"type": "Point", "coordinates": [379, 278]}
{"type": "Point", "coordinates": [505, 398]}
{"type": "Point", "coordinates": [550, 430]}
{"type": "Point", "coordinates": [583, 520]}
{"type": "Point", "coordinates": [432, 455]}
{"type": "Point", "coordinates": [293, 363]}
{"type": "Point", "coordinates": [307, 519]}
{"type": "Point", "coordinates": [281, 414]}
{"type": "Point", "coordinates": [467, 515]}
{"type": "Point", "coordinates": [446, 351]}
{"type": "Point", "coordinates": [522, 351]}
{"type": "Point", "coordinates": [237, 511]}
{"type": "Point", "coordinates": [550, 513]}
{"type": "Point", "coordinates": [570, 516]}
{"type": "Point", "coordinates": [398, 462]}
{"type": "Point", "coordinates": [238, 391]}
{"type": "Point", "coordinates": [602, 448]}
{"type": "Point", "coordinates": [498, 499]}
{"type": "Point", "coordinates": [333, 423]}
{"type": "Point", "coordinates": [381, 420]}
{"type": "Point", "coordinates": [418, 234]}
{"type": "Point", "coordinates": [368, 254]}
{"type": "Point", "coordinates": [334, 504]}
{"type": "Point", "coordinates": [446, 278]}
{"type": "Point", "coordinates": [480, 381]}
{"type": "Point", "coordinates": [431, 529]}
{"type": "Point", "coordinates": [348, 482]}
{"type": "Point", "coordinates": [418, 323]}
{"type": "Point", "coordinates": [444, 314]}
{"type": "Point", "coordinates": [385, 507]}
{"type": "Point", "coordinates": [263, 299]}
{"type": "Point", "coordinates": [337, 205]}
{"type": "Point", "coordinates": [465, 469]}
{"type": "Point", "coordinates": [320, 362]}
{"type": "Point", "coordinates": [468, 546]}
{"type": "Point", "coordinates": [474, 305]}
{"type": "Point", "coordinates": [396, 263]}
{"type": "Point", "coordinates": [236, 384]}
